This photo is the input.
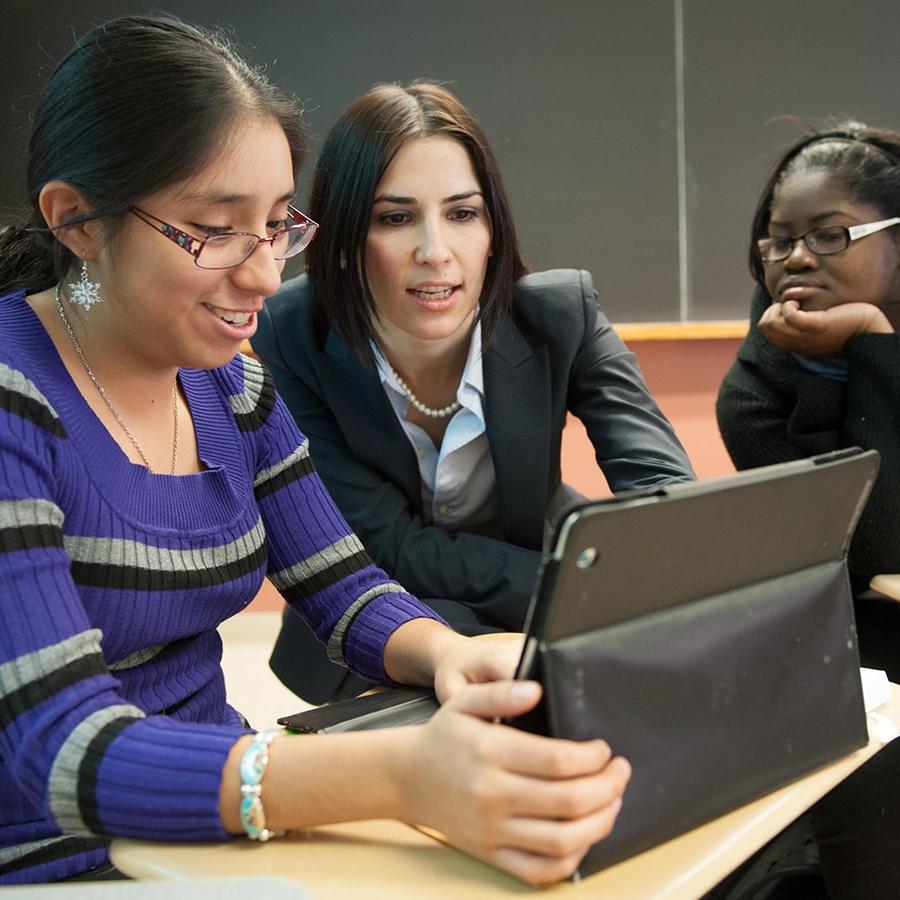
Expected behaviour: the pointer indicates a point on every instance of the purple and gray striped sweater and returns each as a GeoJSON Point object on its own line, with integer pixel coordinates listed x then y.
{"type": "Point", "coordinates": [113, 718]}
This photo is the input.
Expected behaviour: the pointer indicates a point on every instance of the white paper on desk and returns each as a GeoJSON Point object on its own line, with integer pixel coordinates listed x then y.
{"type": "Point", "coordinates": [876, 688]}
{"type": "Point", "coordinates": [877, 692]}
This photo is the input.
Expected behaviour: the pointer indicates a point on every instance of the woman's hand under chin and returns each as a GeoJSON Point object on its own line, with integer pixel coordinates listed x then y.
{"type": "Point", "coordinates": [822, 332]}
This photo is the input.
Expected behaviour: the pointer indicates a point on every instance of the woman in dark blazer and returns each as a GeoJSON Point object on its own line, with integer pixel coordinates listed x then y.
{"type": "Point", "coordinates": [433, 376]}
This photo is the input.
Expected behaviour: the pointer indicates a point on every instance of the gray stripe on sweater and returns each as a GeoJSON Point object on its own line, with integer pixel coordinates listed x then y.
{"type": "Point", "coordinates": [336, 553]}
{"type": "Point", "coordinates": [336, 641]}
{"type": "Point", "coordinates": [119, 552]}
{"type": "Point", "coordinates": [33, 511]}
{"type": "Point", "coordinates": [14, 380]}
{"type": "Point", "coordinates": [254, 377]}
{"type": "Point", "coordinates": [29, 667]}
{"type": "Point", "coordinates": [17, 851]}
{"type": "Point", "coordinates": [137, 658]}
{"type": "Point", "coordinates": [64, 775]}
{"type": "Point", "coordinates": [302, 452]}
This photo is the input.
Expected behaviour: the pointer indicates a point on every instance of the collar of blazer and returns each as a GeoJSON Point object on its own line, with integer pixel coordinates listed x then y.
{"type": "Point", "coordinates": [517, 412]}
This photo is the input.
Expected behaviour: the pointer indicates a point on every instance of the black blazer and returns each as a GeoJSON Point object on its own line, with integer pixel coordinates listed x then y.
{"type": "Point", "coordinates": [556, 353]}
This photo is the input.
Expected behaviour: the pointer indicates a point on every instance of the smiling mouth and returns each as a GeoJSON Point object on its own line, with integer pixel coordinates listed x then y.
{"type": "Point", "coordinates": [230, 316]}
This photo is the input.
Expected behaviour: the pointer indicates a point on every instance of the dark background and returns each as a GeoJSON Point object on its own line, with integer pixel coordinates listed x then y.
{"type": "Point", "coordinates": [634, 135]}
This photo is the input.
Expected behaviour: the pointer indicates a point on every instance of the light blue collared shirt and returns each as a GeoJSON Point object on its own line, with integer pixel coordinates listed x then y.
{"type": "Point", "coordinates": [459, 485]}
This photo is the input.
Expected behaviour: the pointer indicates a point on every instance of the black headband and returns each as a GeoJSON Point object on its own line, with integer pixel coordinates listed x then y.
{"type": "Point", "coordinates": [824, 137]}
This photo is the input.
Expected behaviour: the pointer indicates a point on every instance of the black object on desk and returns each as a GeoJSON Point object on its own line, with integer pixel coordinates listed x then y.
{"type": "Point", "coordinates": [380, 709]}
{"type": "Point", "coordinates": [706, 631]}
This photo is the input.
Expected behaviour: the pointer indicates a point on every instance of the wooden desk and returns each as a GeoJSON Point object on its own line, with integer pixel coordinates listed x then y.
{"type": "Point", "coordinates": [889, 585]}
{"type": "Point", "coordinates": [385, 859]}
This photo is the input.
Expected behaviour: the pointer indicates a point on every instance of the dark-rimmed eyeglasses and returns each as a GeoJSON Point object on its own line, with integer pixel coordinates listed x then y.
{"type": "Point", "coordinates": [824, 241]}
{"type": "Point", "coordinates": [230, 249]}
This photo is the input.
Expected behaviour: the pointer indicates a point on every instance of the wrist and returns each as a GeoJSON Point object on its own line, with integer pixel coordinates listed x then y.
{"type": "Point", "coordinates": [230, 789]}
{"type": "Point", "coordinates": [399, 765]}
{"type": "Point", "coordinates": [319, 779]}
{"type": "Point", "coordinates": [878, 324]}
{"type": "Point", "coordinates": [413, 653]}
{"type": "Point", "coordinates": [253, 765]}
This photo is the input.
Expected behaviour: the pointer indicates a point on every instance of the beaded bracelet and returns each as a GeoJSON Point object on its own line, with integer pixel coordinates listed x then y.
{"type": "Point", "coordinates": [253, 767]}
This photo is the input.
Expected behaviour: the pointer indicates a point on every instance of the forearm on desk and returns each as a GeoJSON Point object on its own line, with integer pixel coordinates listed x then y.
{"type": "Point", "coordinates": [320, 779]}
{"type": "Point", "coordinates": [311, 782]}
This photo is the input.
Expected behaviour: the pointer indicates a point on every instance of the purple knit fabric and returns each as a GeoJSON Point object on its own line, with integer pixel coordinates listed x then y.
{"type": "Point", "coordinates": [113, 718]}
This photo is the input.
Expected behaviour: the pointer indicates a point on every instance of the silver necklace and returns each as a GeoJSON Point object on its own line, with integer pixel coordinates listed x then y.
{"type": "Point", "coordinates": [108, 402]}
{"type": "Point", "coordinates": [441, 413]}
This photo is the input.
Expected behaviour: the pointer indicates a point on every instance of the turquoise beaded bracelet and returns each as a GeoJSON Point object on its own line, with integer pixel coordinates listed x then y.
{"type": "Point", "coordinates": [253, 767]}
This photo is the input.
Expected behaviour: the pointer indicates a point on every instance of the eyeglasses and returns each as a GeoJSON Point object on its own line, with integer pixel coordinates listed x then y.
{"type": "Point", "coordinates": [225, 251]}
{"type": "Point", "coordinates": [825, 241]}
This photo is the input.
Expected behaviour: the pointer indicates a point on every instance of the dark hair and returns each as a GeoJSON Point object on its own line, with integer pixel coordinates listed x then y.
{"type": "Point", "coordinates": [137, 104]}
{"type": "Point", "coordinates": [865, 161]}
{"type": "Point", "coordinates": [357, 151]}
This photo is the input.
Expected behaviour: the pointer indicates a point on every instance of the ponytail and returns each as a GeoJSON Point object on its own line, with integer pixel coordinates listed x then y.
{"type": "Point", "coordinates": [30, 258]}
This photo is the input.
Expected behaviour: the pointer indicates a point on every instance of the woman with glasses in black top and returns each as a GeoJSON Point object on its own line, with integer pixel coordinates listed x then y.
{"type": "Point", "coordinates": [820, 370]}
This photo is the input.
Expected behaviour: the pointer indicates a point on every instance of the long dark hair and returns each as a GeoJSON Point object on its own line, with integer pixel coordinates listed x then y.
{"type": "Point", "coordinates": [137, 104]}
{"type": "Point", "coordinates": [357, 151]}
{"type": "Point", "coordinates": [865, 161]}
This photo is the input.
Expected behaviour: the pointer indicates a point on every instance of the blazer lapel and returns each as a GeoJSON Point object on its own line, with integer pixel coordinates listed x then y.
{"type": "Point", "coordinates": [355, 394]}
{"type": "Point", "coordinates": [518, 414]}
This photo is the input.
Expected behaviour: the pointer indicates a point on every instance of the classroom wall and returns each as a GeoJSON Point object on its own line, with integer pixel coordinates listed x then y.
{"type": "Point", "coordinates": [634, 137]}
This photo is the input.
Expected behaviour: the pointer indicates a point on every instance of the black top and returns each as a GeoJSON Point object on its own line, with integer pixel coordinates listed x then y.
{"type": "Point", "coordinates": [770, 409]}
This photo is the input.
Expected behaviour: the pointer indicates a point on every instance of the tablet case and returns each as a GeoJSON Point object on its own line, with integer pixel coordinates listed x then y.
{"type": "Point", "coordinates": [706, 631]}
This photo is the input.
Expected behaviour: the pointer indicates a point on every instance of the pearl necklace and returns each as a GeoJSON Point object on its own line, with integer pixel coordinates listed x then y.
{"type": "Point", "coordinates": [441, 413]}
{"type": "Point", "coordinates": [108, 402]}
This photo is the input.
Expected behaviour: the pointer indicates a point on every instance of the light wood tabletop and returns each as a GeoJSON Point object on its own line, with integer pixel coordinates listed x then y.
{"type": "Point", "coordinates": [889, 585]}
{"type": "Point", "coordinates": [386, 859]}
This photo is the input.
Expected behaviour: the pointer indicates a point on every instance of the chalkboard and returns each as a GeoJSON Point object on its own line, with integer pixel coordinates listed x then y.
{"type": "Point", "coordinates": [634, 135]}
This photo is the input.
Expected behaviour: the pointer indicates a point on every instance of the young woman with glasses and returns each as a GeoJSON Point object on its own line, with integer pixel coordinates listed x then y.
{"type": "Point", "coordinates": [820, 370]}
{"type": "Point", "coordinates": [150, 478]}
{"type": "Point", "coordinates": [433, 376]}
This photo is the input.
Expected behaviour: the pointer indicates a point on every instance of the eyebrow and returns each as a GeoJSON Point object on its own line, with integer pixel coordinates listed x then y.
{"type": "Point", "coordinates": [212, 198]}
{"type": "Point", "coordinates": [409, 201]}
{"type": "Point", "coordinates": [781, 223]}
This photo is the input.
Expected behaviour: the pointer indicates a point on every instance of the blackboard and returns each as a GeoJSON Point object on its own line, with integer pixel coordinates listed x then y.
{"type": "Point", "coordinates": [634, 135]}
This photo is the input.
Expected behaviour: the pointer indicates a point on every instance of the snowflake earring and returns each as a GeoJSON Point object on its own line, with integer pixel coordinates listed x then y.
{"type": "Point", "coordinates": [85, 292]}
